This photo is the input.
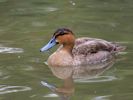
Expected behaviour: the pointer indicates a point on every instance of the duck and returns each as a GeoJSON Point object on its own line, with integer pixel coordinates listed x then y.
{"type": "Point", "coordinates": [79, 57]}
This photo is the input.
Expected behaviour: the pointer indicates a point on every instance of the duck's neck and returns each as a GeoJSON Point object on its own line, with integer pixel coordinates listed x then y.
{"type": "Point", "coordinates": [68, 47]}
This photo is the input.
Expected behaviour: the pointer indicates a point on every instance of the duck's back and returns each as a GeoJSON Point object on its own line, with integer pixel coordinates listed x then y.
{"type": "Point", "coordinates": [84, 46]}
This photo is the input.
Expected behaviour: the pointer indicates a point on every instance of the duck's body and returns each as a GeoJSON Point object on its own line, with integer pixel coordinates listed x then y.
{"type": "Point", "coordinates": [82, 57]}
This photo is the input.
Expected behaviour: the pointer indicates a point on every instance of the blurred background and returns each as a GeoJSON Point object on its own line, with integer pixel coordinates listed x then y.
{"type": "Point", "coordinates": [26, 25]}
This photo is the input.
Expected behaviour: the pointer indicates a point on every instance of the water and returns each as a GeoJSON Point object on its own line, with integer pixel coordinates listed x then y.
{"type": "Point", "coordinates": [25, 25]}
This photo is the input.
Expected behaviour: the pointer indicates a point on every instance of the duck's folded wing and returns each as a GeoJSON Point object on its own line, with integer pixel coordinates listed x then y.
{"type": "Point", "coordinates": [85, 46]}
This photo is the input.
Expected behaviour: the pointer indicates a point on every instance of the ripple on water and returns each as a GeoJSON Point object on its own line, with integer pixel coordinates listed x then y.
{"type": "Point", "coordinates": [4, 75]}
{"type": "Point", "coordinates": [4, 89]}
{"type": "Point", "coordinates": [51, 95]}
{"type": "Point", "coordinates": [32, 11]}
{"type": "Point", "coordinates": [96, 79]}
{"type": "Point", "coordinates": [51, 9]}
{"type": "Point", "coordinates": [106, 97]}
{"type": "Point", "coordinates": [11, 50]}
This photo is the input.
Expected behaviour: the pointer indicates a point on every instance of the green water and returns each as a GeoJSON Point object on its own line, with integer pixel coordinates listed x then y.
{"type": "Point", "coordinates": [26, 25]}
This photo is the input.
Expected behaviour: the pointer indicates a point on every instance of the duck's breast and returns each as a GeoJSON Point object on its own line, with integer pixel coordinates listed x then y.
{"type": "Point", "coordinates": [60, 63]}
{"type": "Point", "coordinates": [60, 59]}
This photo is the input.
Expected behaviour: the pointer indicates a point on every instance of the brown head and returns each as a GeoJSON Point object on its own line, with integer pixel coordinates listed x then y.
{"type": "Point", "coordinates": [62, 36]}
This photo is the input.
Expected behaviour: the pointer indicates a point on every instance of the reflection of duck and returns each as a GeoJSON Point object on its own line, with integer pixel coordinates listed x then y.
{"type": "Point", "coordinates": [79, 57]}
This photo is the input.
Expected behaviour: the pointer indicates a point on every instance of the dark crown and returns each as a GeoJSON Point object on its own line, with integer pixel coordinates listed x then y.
{"type": "Point", "coordinates": [62, 31]}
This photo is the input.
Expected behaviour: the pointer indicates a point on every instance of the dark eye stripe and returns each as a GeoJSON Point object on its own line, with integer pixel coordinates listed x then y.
{"type": "Point", "coordinates": [61, 32]}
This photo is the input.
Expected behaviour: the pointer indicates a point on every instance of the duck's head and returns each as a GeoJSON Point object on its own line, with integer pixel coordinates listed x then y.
{"type": "Point", "coordinates": [61, 36]}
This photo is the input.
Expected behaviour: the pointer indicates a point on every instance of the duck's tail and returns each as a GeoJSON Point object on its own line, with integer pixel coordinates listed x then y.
{"type": "Point", "coordinates": [118, 48]}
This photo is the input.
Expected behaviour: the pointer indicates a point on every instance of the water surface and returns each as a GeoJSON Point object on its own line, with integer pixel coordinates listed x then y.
{"type": "Point", "coordinates": [26, 25]}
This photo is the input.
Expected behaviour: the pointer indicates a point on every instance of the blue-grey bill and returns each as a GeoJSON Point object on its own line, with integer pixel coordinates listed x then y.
{"type": "Point", "coordinates": [49, 45]}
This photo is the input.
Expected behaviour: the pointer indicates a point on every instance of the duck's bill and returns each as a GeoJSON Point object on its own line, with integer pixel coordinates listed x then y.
{"type": "Point", "coordinates": [49, 45]}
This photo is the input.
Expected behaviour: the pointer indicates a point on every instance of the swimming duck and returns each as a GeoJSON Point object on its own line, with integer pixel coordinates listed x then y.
{"type": "Point", "coordinates": [81, 57]}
